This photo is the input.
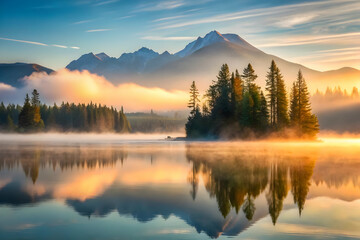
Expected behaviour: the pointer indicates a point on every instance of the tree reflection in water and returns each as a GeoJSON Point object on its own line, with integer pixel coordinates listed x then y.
{"type": "Point", "coordinates": [237, 178]}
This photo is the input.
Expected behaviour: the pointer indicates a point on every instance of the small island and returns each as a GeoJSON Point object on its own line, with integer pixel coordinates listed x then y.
{"type": "Point", "coordinates": [234, 106]}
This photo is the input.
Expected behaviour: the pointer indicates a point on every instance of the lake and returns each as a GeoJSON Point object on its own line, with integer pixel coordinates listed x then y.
{"type": "Point", "coordinates": [109, 187]}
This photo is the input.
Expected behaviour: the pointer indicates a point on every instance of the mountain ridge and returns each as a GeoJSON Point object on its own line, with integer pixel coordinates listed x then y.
{"type": "Point", "coordinates": [200, 61]}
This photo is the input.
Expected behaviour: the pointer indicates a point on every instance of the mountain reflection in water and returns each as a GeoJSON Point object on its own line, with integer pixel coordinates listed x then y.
{"type": "Point", "coordinates": [217, 188]}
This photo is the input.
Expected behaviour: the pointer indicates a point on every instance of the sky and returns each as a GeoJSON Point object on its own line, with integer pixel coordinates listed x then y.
{"type": "Point", "coordinates": [322, 34]}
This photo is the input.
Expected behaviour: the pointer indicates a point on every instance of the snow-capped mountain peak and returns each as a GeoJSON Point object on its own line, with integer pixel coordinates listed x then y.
{"type": "Point", "coordinates": [211, 38]}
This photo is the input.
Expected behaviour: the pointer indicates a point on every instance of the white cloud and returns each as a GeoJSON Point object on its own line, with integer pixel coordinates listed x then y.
{"type": "Point", "coordinates": [59, 46]}
{"type": "Point", "coordinates": [163, 5]}
{"type": "Point", "coordinates": [83, 21]}
{"type": "Point", "coordinates": [5, 87]}
{"type": "Point", "coordinates": [169, 18]}
{"type": "Point", "coordinates": [105, 2]}
{"type": "Point", "coordinates": [306, 40]}
{"type": "Point", "coordinates": [23, 41]}
{"type": "Point", "coordinates": [284, 16]}
{"type": "Point", "coordinates": [99, 30]}
{"type": "Point", "coordinates": [36, 43]}
{"type": "Point", "coordinates": [295, 20]}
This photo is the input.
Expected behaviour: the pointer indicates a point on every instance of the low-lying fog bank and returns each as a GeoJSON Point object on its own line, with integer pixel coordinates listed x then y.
{"type": "Point", "coordinates": [85, 137]}
{"type": "Point", "coordinates": [108, 138]}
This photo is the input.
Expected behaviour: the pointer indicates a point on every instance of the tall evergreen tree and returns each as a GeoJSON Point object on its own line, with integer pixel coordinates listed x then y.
{"type": "Point", "coordinates": [281, 108]}
{"type": "Point", "coordinates": [252, 100]}
{"type": "Point", "coordinates": [35, 105]}
{"type": "Point", "coordinates": [271, 89]}
{"type": "Point", "coordinates": [194, 98]}
{"type": "Point", "coordinates": [264, 113]}
{"type": "Point", "coordinates": [26, 117]}
{"type": "Point", "coordinates": [237, 91]}
{"type": "Point", "coordinates": [305, 123]}
{"type": "Point", "coordinates": [294, 105]}
{"type": "Point", "coordinates": [249, 76]}
{"type": "Point", "coordinates": [277, 97]}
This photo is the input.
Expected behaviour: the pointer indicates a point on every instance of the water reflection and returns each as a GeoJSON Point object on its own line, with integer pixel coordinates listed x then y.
{"type": "Point", "coordinates": [236, 179]}
{"type": "Point", "coordinates": [219, 189]}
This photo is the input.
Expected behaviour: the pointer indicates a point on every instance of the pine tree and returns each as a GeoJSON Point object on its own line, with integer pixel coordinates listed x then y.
{"type": "Point", "coordinates": [264, 113]}
{"type": "Point", "coordinates": [277, 97]}
{"type": "Point", "coordinates": [249, 76]}
{"type": "Point", "coordinates": [35, 99]}
{"type": "Point", "coordinates": [251, 101]}
{"type": "Point", "coordinates": [304, 122]}
{"type": "Point", "coordinates": [194, 98]}
{"type": "Point", "coordinates": [294, 105]}
{"type": "Point", "coordinates": [35, 105]}
{"type": "Point", "coordinates": [271, 89]}
{"type": "Point", "coordinates": [222, 106]}
{"type": "Point", "coordinates": [26, 117]}
{"type": "Point", "coordinates": [282, 118]}
{"type": "Point", "coordinates": [236, 93]}
{"type": "Point", "coordinates": [123, 122]}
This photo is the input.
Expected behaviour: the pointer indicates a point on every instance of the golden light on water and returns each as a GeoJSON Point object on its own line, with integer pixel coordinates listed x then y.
{"type": "Point", "coordinates": [341, 140]}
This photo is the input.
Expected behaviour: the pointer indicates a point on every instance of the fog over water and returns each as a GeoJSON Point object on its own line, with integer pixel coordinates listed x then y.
{"type": "Point", "coordinates": [325, 137]}
{"type": "Point", "coordinates": [78, 138]}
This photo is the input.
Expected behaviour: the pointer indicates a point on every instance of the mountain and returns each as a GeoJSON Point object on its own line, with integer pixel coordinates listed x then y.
{"type": "Point", "coordinates": [103, 56]}
{"type": "Point", "coordinates": [12, 73]}
{"type": "Point", "coordinates": [159, 61]}
{"type": "Point", "coordinates": [86, 62]}
{"type": "Point", "coordinates": [203, 65]}
{"type": "Point", "coordinates": [135, 62]}
{"type": "Point", "coordinates": [112, 68]}
{"type": "Point", "coordinates": [200, 61]}
{"type": "Point", "coordinates": [211, 38]}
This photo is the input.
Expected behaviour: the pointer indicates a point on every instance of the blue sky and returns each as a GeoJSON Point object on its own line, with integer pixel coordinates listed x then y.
{"type": "Point", "coordinates": [320, 34]}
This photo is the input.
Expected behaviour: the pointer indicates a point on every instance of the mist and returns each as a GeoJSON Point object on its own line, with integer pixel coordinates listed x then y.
{"type": "Point", "coordinates": [85, 138]}
{"type": "Point", "coordinates": [84, 87]}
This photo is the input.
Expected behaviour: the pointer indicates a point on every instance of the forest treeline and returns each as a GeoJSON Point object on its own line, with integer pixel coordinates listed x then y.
{"type": "Point", "coordinates": [36, 117]}
{"type": "Point", "coordinates": [235, 106]}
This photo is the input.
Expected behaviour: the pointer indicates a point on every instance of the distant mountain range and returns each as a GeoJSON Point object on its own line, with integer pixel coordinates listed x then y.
{"type": "Point", "coordinates": [199, 61]}
{"type": "Point", "coordinates": [12, 73]}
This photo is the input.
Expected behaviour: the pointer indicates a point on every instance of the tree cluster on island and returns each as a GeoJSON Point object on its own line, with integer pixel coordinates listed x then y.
{"type": "Point", "coordinates": [36, 117]}
{"type": "Point", "coordinates": [236, 107]}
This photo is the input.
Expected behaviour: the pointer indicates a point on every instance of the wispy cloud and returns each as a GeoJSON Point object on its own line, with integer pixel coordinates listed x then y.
{"type": "Point", "coordinates": [36, 43]}
{"type": "Point", "coordinates": [340, 50]}
{"type": "Point", "coordinates": [83, 21]}
{"type": "Point", "coordinates": [169, 18]}
{"type": "Point", "coordinates": [239, 15]}
{"type": "Point", "coordinates": [24, 41]}
{"type": "Point", "coordinates": [99, 30]}
{"type": "Point", "coordinates": [306, 40]}
{"type": "Point", "coordinates": [284, 16]}
{"type": "Point", "coordinates": [59, 46]}
{"type": "Point", "coordinates": [163, 5]}
{"type": "Point", "coordinates": [125, 17]}
{"type": "Point", "coordinates": [105, 2]}
{"type": "Point", "coordinates": [295, 20]}
{"type": "Point", "coordinates": [159, 38]}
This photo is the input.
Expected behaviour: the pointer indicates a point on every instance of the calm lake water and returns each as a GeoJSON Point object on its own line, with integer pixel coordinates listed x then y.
{"type": "Point", "coordinates": [129, 189]}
